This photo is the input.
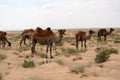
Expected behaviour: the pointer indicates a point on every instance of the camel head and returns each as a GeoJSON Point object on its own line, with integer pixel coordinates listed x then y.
{"type": "Point", "coordinates": [62, 31]}
{"type": "Point", "coordinates": [91, 31]}
{"type": "Point", "coordinates": [111, 29]}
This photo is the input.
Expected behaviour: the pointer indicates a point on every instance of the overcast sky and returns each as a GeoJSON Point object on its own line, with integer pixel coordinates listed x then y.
{"type": "Point", "coordinates": [22, 14]}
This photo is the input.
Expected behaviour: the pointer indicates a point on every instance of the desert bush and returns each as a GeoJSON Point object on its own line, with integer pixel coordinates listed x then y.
{"type": "Point", "coordinates": [29, 63]}
{"type": "Point", "coordinates": [80, 69]}
{"type": "Point", "coordinates": [27, 56]}
{"type": "Point", "coordinates": [17, 37]}
{"type": "Point", "coordinates": [57, 53]}
{"type": "Point", "coordinates": [20, 49]}
{"type": "Point", "coordinates": [1, 76]}
{"type": "Point", "coordinates": [60, 62]}
{"type": "Point", "coordinates": [60, 43]}
{"type": "Point", "coordinates": [104, 55]}
{"type": "Point", "coordinates": [42, 55]}
{"type": "Point", "coordinates": [77, 58]}
{"type": "Point", "coordinates": [71, 51]}
{"type": "Point", "coordinates": [2, 57]}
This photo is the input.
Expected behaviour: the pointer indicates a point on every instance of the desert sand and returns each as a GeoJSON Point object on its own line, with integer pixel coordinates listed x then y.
{"type": "Point", "coordinates": [59, 68]}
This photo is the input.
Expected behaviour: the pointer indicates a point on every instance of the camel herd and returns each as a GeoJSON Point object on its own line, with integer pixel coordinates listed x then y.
{"type": "Point", "coordinates": [48, 37]}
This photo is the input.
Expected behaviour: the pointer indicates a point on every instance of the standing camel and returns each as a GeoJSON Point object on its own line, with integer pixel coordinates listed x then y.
{"type": "Point", "coordinates": [105, 33]}
{"type": "Point", "coordinates": [3, 39]}
{"type": "Point", "coordinates": [46, 37]}
{"type": "Point", "coordinates": [81, 36]}
{"type": "Point", "coordinates": [26, 34]}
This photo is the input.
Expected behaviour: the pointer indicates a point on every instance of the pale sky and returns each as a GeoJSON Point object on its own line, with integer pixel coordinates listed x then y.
{"type": "Point", "coordinates": [23, 14]}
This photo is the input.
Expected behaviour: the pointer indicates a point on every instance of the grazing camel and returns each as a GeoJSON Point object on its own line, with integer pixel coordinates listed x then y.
{"type": "Point", "coordinates": [105, 33]}
{"type": "Point", "coordinates": [46, 37]}
{"type": "Point", "coordinates": [81, 36]}
{"type": "Point", "coordinates": [26, 34]}
{"type": "Point", "coordinates": [3, 39]}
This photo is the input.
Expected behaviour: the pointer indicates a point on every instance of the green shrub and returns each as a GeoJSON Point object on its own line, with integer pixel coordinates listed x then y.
{"type": "Point", "coordinates": [57, 53]}
{"type": "Point", "coordinates": [42, 55]}
{"type": "Point", "coordinates": [80, 69]}
{"type": "Point", "coordinates": [60, 62]}
{"type": "Point", "coordinates": [104, 55]}
{"type": "Point", "coordinates": [2, 56]}
{"type": "Point", "coordinates": [1, 76]}
{"type": "Point", "coordinates": [71, 51]}
{"type": "Point", "coordinates": [29, 63]}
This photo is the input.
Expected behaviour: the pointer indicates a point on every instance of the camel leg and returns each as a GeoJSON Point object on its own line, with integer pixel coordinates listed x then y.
{"type": "Point", "coordinates": [105, 38]}
{"type": "Point", "coordinates": [47, 51]}
{"type": "Point", "coordinates": [9, 43]}
{"type": "Point", "coordinates": [25, 42]}
{"type": "Point", "coordinates": [99, 39]}
{"type": "Point", "coordinates": [33, 45]}
{"type": "Point", "coordinates": [51, 51]}
{"type": "Point", "coordinates": [3, 43]}
{"type": "Point", "coordinates": [21, 42]}
{"type": "Point", "coordinates": [77, 43]}
{"type": "Point", "coordinates": [81, 45]}
{"type": "Point", "coordinates": [33, 48]}
{"type": "Point", "coordinates": [85, 44]}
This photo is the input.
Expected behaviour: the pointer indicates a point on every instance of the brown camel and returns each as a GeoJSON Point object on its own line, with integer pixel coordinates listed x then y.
{"type": "Point", "coordinates": [26, 34]}
{"type": "Point", "coordinates": [105, 33]}
{"type": "Point", "coordinates": [46, 37]}
{"type": "Point", "coordinates": [81, 36]}
{"type": "Point", "coordinates": [3, 39]}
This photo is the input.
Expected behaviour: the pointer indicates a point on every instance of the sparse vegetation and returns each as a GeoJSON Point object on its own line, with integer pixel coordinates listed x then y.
{"type": "Point", "coordinates": [80, 69]}
{"type": "Point", "coordinates": [60, 62]}
{"type": "Point", "coordinates": [21, 49]}
{"type": "Point", "coordinates": [28, 63]}
{"type": "Point", "coordinates": [71, 51]}
{"type": "Point", "coordinates": [42, 55]}
{"type": "Point", "coordinates": [57, 53]}
{"type": "Point", "coordinates": [77, 58]}
{"type": "Point", "coordinates": [2, 57]}
{"type": "Point", "coordinates": [1, 76]}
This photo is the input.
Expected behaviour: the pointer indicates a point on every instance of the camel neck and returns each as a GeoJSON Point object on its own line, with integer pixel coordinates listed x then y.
{"type": "Point", "coordinates": [109, 32]}
{"type": "Point", "coordinates": [59, 38]}
{"type": "Point", "coordinates": [89, 36]}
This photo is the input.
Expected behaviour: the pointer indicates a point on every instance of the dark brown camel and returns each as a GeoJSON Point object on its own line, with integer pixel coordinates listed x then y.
{"type": "Point", "coordinates": [26, 34]}
{"type": "Point", "coordinates": [81, 36]}
{"type": "Point", "coordinates": [3, 39]}
{"type": "Point", "coordinates": [105, 33]}
{"type": "Point", "coordinates": [46, 37]}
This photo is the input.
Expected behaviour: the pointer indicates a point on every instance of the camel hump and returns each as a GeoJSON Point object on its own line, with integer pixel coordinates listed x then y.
{"type": "Point", "coordinates": [43, 33]}
{"type": "Point", "coordinates": [48, 29]}
{"type": "Point", "coordinates": [102, 30]}
{"type": "Point", "coordinates": [27, 31]}
{"type": "Point", "coordinates": [80, 34]}
{"type": "Point", "coordinates": [2, 33]}
{"type": "Point", "coordinates": [38, 29]}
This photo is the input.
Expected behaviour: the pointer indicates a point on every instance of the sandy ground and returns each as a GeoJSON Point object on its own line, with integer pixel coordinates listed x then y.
{"type": "Point", "coordinates": [60, 67]}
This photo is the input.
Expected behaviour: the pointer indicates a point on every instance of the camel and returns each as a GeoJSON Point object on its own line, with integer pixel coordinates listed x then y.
{"type": "Point", "coordinates": [105, 33]}
{"type": "Point", "coordinates": [26, 34]}
{"type": "Point", "coordinates": [46, 37]}
{"type": "Point", "coordinates": [3, 39]}
{"type": "Point", "coordinates": [81, 36]}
